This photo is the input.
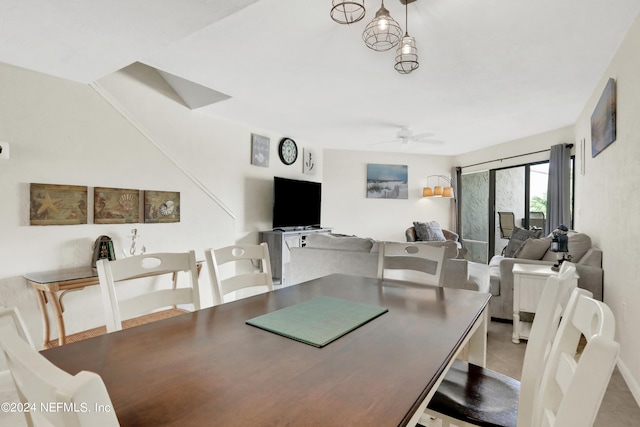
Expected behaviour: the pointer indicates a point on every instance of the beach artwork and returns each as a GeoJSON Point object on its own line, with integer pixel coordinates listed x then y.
{"type": "Point", "coordinates": [603, 120]}
{"type": "Point", "coordinates": [52, 204]}
{"type": "Point", "coordinates": [387, 181]}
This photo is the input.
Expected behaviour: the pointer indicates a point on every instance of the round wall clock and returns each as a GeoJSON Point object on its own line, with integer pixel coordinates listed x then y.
{"type": "Point", "coordinates": [288, 151]}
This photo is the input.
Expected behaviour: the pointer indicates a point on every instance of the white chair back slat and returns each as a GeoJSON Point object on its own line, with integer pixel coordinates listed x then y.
{"type": "Point", "coordinates": [114, 276]}
{"type": "Point", "coordinates": [418, 263]}
{"type": "Point", "coordinates": [41, 384]}
{"type": "Point", "coordinates": [254, 257]}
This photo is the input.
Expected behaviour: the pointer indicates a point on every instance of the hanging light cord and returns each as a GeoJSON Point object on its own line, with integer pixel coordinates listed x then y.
{"type": "Point", "coordinates": [406, 18]}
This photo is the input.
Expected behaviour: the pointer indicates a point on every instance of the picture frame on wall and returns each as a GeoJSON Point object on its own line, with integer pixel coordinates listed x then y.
{"type": "Point", "coordinates": [603, 119]}
{"type": "Point", "coordinates": [387, 181]}
{"type": "Point", "coordinates": [116, 205]}
{"type": "Point", "coordinates": [260, 150]}
{"type": "Point", "coordinates": [161, 206]}
{"type": "Point", "coordinates": [310, 163]}
{"type": "Point", "coordinates": [53, 204]}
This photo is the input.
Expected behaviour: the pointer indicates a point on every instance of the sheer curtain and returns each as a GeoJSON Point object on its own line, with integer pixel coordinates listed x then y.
{"type": "Point", "coordinates": [558, 191]}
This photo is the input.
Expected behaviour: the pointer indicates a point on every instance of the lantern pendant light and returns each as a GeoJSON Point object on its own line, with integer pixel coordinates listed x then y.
{"type": "Point", "coordinates": [347, 12]}
{"type": "Point", "coordinates": [407, 53]}
{"type": "Point", "coordinates": [383, 32]}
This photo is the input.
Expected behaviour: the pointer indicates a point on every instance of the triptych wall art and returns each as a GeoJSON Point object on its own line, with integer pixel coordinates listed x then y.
{"type": "Point", "coordinates": [52, 204]}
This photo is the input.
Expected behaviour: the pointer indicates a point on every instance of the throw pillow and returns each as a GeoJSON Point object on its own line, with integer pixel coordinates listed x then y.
{"type": "Point", "coordinates": [579, 244]}
{"type": "Point", "coordinates": [533, 248]}
{"type": "Point", "coordinates": [518, 237]}
{"type": "Point", "coordinates": [429, 231]}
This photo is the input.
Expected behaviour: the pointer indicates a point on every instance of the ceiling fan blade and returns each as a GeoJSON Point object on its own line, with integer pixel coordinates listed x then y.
{"type": "Point", "coordinates": [429, 141]}
{"type": "Point", "coordinates": [422, 135]}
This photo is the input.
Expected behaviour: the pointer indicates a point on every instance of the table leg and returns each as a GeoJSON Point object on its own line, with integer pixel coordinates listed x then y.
{"type": "Point", "coordinates": [477, 346]}
{"type": "Point", "coordinates": [57, 309]}
{"type": "Point", "coordinates": [478, 341]}
{"type": "Point", "coordinates": [46, 338]}
{"type": "Point", "coordinates": [515, 337]}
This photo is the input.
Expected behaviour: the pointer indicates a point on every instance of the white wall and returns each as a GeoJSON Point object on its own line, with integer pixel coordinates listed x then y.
{"type": "Point", "coordinates": [347, 209]}
{"type": "Point", "coordinates": [513, 152]}
{"type": "Point", "coordinates": [607, 201]}
{"type": "Point", "coordinates": [67, 133]}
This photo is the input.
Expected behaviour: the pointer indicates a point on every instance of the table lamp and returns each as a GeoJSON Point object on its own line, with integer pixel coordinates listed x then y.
{"type": "Point", "coordinates": [560, 245]}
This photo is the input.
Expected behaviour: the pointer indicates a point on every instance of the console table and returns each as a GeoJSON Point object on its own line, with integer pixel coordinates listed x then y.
{"type": "Point", "coordinates": [279, 242]}
{"type": "Point", "coordinates": [528, 284]}
{"type": "Point", "coordinates": [52, 286]}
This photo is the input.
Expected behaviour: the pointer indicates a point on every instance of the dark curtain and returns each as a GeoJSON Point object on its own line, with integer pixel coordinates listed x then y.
{"type": "Point", "coordinates": [455, 210]}
{"type": "Point", "coordinates": [558, 191]}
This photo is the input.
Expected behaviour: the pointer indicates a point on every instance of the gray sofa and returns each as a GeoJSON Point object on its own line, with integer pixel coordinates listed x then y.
{"type": "Point", "coordinates": [588, 260]}
{"type": "Point", "coordinates": [325, 254]}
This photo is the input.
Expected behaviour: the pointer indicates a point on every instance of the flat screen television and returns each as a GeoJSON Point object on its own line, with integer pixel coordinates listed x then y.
{"type": "Point", "coordinates": [296, 203]}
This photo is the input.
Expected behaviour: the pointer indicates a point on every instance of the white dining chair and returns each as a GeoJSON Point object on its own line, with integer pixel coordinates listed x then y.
{"type": "Point", "coordinates": [471, 395]}
{"type": "Point", "coordinates": [574, 382]}
{"type": "Point", "coordinates": [413, 262]}
{"type": "Point", "coordinates": [11, 318]}
{"type": "Point", "coordinates": [253, 277]}
{"type": "Point", "coordinates": [119, 305]}
{"type": "Point", "coordinates": [53, 397]}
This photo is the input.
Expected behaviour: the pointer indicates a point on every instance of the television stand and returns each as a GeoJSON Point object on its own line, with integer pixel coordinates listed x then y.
{"type": "Point", "coordinates": [280, 241]}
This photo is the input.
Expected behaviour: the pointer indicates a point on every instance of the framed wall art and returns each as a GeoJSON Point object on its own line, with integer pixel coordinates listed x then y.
{"type": "Point", "coordinates": [51, 204]}
{"type": "Point", "coordinates": [161, 206]}
{"type": "Point", "coordinates": [116, 205]}
{"type": "Point", "coordinates": [387, 181]}
{"type": "Point", "coordinates": [603, 120]}
{"type": "Point", "coordinates": [259, 150]}
{"type": "Point", "coordinates": [310, 163]}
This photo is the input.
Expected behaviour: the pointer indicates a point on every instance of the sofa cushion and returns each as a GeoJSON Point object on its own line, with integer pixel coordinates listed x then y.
{"type": "Point", "coordinates": [429, 231]}
{"type": "Point", "coordinates": [533, 248]}
{"type": "Point", "coordinates": [579, 244]}
{"type": "Point", "coordinates": [518, 237]}
{"type": "Point", "coordinates": [341, 243]}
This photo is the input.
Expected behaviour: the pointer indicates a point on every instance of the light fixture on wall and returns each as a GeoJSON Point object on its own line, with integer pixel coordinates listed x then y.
{"type": "Point", "coordinates": [407, 53]}
{"type": "Point", "coordinates": [383, 32]}
{"type": "Point", "coordinates": [438, 190]}
{"type": "Point", "coordinates": [347, 12]}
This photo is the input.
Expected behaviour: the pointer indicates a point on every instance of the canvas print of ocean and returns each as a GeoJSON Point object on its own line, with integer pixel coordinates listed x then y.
{"type": "Point", "coordinates": [387, 181]}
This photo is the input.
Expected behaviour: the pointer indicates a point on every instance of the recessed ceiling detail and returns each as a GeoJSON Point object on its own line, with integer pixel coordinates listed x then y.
{"type": "Point", "coordinates": [193, 94]}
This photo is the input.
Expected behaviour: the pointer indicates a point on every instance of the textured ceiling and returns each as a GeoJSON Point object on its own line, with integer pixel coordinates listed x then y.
{"type": "Point", "coordinates": [490, 71]}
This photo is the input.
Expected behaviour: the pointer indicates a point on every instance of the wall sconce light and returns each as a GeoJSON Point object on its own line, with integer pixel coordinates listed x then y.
{"type": "Point", "coordinates": [439, 190]}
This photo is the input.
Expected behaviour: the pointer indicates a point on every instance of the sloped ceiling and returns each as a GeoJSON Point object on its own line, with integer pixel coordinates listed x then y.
{"type": "Point", "coordinates": [490, 71]}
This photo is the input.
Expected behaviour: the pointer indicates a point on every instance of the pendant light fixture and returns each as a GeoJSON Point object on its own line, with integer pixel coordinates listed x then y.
{"type": "Point", "coordinates": [383, 32]}
{"type": "Point", "coordinates": [347, 12]}
{"type": "Point", "coordinates": [407, 53]}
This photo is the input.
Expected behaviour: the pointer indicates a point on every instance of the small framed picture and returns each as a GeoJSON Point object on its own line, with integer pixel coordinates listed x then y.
{"type": "Point", "coordinates": [259, 150]}
{"type": "Point", "coordinates": [310, 163]}
{"type": "Point", "coordinates": [116, 205]}
{"type": "Point", "coordinates": [161, 206]}
{"type": "Point", "coordinates": [52, 204]}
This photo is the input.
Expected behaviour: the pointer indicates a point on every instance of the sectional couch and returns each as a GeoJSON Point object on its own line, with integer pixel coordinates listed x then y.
{"type": "Point", "coordinates": [325, 254]}
{"type": "Point", "coordinates": [526, 247]}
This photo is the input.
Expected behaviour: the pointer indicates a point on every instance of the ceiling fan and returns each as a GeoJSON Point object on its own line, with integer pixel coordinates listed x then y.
{"type": "Point", "coordinates": [405, 136]}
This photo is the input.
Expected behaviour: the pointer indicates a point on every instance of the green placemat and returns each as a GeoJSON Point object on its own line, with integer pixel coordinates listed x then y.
{"type": "Point", "coordinates": [318, 321]}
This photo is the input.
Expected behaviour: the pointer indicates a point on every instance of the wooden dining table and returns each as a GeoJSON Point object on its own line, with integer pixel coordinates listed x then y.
{"type": "Point", "coordinates": [210, 368]}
